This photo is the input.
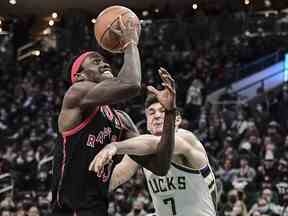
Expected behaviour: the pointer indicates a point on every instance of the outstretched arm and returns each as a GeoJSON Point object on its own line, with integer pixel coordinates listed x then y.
{"type": "Point", "coordinates": [123, 172]}
{"type": "Point", "coordinates": [159, 150]}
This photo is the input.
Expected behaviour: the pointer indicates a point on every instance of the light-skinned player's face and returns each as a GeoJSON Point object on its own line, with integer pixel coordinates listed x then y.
{"type": "Point", "coordinates": [155, 114]}
{"type": "Point", "coordinates": [99, 69]}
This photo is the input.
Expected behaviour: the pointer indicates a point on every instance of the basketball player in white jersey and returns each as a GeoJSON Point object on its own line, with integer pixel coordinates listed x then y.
{"type": "Point", "coordinates": [189, 187]}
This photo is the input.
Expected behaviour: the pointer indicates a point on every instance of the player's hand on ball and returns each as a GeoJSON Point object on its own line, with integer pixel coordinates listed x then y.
{"type": "Point", "coordinates": [103, 158]}
{"type": "Point", "coordinates": [167, 96]}
{"type": "Point", "coordinates": [127, 32]}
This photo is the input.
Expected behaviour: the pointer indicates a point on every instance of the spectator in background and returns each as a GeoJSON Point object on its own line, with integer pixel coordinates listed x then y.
{"type": "Point", "coordinates": [33, 211]}
{"type": "Point", "coordinates": [244, 175]}
{"type": "Point", "coordinates": [194, 100]}
{"type": "Point", "coordinates": [235, 205]}
{"type": "Point", "coordinates": [138, 209]}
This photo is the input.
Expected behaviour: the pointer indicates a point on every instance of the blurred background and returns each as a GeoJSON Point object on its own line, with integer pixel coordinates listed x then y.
{"type": "Point", "coordinates": [231, 69]}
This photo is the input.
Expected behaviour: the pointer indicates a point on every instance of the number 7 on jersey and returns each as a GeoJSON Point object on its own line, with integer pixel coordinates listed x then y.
{"type": "Point", "coordinates": [170, 201]}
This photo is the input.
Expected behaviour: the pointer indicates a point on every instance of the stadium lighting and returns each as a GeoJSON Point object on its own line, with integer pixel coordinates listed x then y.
{"type": "Point", "coordinates": [46, 31]}
{"type": "Point", "coordinates": [267, 3]}
{"type": "Point", "coordinates": [0, 29]}
{"type": "Point", "coordinates": [145, 13]}
{"type": "Point", "coordinates": [156, 10]}
{"type": "Point", "coordinates": [93, 20]}
{"type": "Point", "coordinates": [54, 15]}
{"type": "Point", "coordinates": [246, 2]}
{"type": "Point", "coordinates": [51, 22]}
{"type": "Point", "coordinates": [195, 6]}
{"type": "Point", "coordinates": [36, 52]}
{"type": "Point", "coordinates": [12, 2]}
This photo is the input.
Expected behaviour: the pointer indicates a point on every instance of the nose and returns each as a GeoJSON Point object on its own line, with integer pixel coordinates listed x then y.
{"type": "Point", "coordinates": [158, 115]}
{"type": "Point", "coordinates": [105, 65]}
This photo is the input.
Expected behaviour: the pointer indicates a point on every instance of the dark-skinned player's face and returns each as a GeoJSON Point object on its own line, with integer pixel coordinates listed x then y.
{"type": "Point", "coordinates": [96, 69]}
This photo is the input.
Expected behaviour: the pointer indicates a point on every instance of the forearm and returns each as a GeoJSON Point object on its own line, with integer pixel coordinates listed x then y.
{"type": "Point", "coordinates": [140, 145]}
{"type": "Point", "coordinates": [167, 143]}
{"type": "Point", "coordinates": [131, 69]}
{"type": "Point", "coordinates": [122, 172]}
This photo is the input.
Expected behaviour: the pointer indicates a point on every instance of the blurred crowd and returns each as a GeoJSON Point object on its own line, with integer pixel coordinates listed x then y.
{"type": "Point", "coordinates": [247, 143]}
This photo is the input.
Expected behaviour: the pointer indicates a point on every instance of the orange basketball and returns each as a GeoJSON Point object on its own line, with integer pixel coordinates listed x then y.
{"type": "Point", "coordinates": [105, 37]}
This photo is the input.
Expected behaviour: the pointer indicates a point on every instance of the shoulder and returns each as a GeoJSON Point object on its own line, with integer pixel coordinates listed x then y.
{"type": "Point", "coordinates": [187, 135]}
{"type": "Point", "coordinates": [76, 92]}
{"type": "Point", "coordinates": [191, 139]}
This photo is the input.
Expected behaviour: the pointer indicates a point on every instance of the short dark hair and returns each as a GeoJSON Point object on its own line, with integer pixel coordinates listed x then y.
{"type": "Point", "coordinates": [151, 99]}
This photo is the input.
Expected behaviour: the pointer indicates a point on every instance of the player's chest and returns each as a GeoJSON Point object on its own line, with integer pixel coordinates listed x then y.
{"type": "Point", "coordinates": [106, 128]}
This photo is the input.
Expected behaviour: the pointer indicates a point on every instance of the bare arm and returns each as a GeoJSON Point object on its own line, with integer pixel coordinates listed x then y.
{"type": "Point", "coordinates": [126, 85]}
{"type": "Point", "coordinates": [87, 94]}
{"type": "Point", "coordinates": [191, 148]}
{"type": "Point", "coordinates": [159, 162]}
{"type": "Point", "coordinates": [123, 172]}
{"type": "Point", "coordinates": [149, 151]}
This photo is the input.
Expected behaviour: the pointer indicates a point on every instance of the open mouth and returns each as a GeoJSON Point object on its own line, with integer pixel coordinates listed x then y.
{"type": "Point", "coordinates": [107, 73]}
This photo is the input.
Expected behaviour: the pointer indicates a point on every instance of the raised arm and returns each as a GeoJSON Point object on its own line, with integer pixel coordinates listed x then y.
{"type": "Point", "coordinates": [158, 150]}
{"type": "Point", "coordinates": [127, 84]}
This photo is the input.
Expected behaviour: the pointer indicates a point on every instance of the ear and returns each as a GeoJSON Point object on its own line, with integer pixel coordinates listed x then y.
{"type": "Point", "coordinates": [81, 76]}
{"type": "Point", "coordinates": [178, 120]}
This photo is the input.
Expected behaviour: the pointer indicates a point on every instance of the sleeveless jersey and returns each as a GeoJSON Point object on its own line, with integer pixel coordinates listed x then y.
{"type": "Point", "coordinates": [183, 191]}
{"type": "Point", "coordinates": [73, 186]}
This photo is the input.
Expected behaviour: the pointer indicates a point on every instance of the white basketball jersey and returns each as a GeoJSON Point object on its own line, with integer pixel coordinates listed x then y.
{"type": "Point", "coordinates": [183, 191]}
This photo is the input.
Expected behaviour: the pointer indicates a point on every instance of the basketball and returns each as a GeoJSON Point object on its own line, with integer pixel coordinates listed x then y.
{"type": "Point", "coordinates": [105, 37]}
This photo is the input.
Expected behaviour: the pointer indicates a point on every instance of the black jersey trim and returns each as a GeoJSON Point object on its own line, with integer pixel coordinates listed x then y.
{"type": "Point", "coordinates": [186, 169]}
{"type": "Point", "coordinates": [83, 124]}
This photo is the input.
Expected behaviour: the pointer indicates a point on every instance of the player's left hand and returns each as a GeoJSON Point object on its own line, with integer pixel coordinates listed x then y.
{"type": "Point", "coordinates": [103, 158]}
{"type": "Point", "coordinates": [166, 97]}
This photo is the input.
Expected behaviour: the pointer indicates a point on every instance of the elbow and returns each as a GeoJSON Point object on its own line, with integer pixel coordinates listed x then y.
{"type": "Point", "coordinates": [133, 88]}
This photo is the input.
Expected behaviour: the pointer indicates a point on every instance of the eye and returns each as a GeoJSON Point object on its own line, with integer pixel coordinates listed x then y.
{"type": "Point", "coordinates": [97, 61]}
{"type": "Point", "coordinates": [151, 112]}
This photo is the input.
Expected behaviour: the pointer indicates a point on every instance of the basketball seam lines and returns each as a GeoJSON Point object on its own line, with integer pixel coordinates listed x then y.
{"type": "Point", "coordinates": [109, 28]}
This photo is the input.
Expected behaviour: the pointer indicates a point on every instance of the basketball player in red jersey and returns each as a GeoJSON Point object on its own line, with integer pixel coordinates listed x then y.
{"type": "Point", "coordinates": [87, 124]}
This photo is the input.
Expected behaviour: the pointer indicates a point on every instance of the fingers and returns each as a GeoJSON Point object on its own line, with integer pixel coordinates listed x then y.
{"type": "Point", "coordinates": [152, 90]}
{"type": "Point", "coordinates": [99, 162]}
{"type": "Point", "coordinates": [121, 24]}
{"type": "Point", "coordinates": [163, 72]}
{"type": "Point", "coordinates": [130, 23]}
{"type": "Point", "coordinates": [170, 88]}
{"type": "Point", "coordinates": [115, 31]}
{"type": "Point", "coordinates": [167, 78]}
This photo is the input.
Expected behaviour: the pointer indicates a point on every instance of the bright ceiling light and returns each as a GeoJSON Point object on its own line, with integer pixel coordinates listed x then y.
{"type": "Point", "coordinates": [246, 2]}
{"type": "Point", "coordinates": [145, 13]}
{"type": "Point", "coordinates": [195, 6]}
{"type": "Point", "coordinates": [12, 2]}
{"type": "Point", "coordinates": [36, 52]}
{"type": "Point", "coordinates": [51, 22]}
{"type": "Point", "coordinates": [54, 15]}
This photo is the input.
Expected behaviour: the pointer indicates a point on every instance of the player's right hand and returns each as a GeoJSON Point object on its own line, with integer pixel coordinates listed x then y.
{"type": "Point", "coordinates": [127, 32]}
{"type": "Point", "coordinates": [103, 158]}
{"type": "Point", "coordinates": [167, 97]}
